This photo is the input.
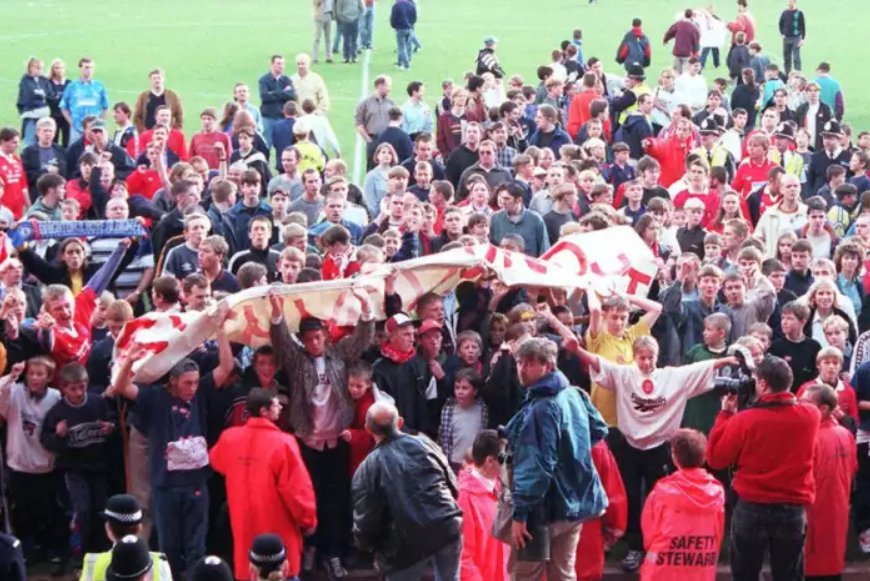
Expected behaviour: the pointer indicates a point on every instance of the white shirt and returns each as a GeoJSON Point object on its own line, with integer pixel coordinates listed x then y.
{"type": "Point", "coordinates": [692, 91]}
{"type": "Point", "coordinates": [24, 415]}
{"type": "Point", "coordinates": [811, 121]}
{"type": "Point", "coordinates": [649, 408]}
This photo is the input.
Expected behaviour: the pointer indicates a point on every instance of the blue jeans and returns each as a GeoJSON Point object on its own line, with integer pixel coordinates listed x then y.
{"type": "Point", "coordinates": [706, 53]}
{"type": "Point", "coordinates": [367, 27]}
{"type": "Point", "coordinates": [28, 132]}
{"type": "Point", "coordinates": [350, 34]}
{"type": "Point", "coordinates": [336, 40]}
{"type": "Point", "coordinates": [88, 492]}
{"type": "Point", "coordinates": [403, 40]}
{"type": "Point", "coordinates": [757, 528]}
{"type": "Point", "coordinates": [415, 42]}
{"type": "Point", "coordinates": [268, 123]}
{"type": "Point", "coordinates": [445, 565]}
{"type": "Point", "coordinates": [181, 515]}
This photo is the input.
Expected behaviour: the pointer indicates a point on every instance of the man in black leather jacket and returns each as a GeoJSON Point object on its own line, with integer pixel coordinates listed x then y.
{"type": "Point", "coordinates": [404, 502]}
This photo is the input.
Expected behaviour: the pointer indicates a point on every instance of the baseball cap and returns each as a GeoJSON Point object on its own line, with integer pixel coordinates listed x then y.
{"type": "Point", "coordinates": [429, 325]}
{"type": "Point", "coordinates": [396, 321]}
{"type": "Point", "coordinates": [97, 124]}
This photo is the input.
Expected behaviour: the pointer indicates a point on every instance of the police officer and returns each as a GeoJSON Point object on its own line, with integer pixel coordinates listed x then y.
{"type": "Point", "coordinates": [11, 559]}
{"type": "Point", "coordinates": [129, 560]}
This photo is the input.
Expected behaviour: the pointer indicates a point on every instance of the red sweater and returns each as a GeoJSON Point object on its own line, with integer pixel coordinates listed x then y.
{"type": "Point", "coordinates": [361, 442]}
{"type": "Point", "coordinates": [175, 143]}
{"type": "Point", "coordinates": [772, 446]}
{"type": "Point", "coordinates": [847, 399]}
{"type": "Point", "coordinates": [750, 176]}
{"type": "Point", "coordinates": [144, 182]}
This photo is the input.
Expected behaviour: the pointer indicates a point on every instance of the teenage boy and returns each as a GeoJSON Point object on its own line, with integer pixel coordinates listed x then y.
{"type": "Point", "coordinates": [775, 272]}
{"type": "Point", "coordinates": [701, 411]}
{"type": "Point", "coordinates": [817, 230]}
{"type": "Point", "coordinates": [183, 259]}
{"type": "Point", "coordinates": [650, 403]}
{"type": "Point", "coordinates": [249, 206]}
{"type": "Point", "coordinates": [483, 556]}
{"type": "Point", "coordinates": [691, 236]}
{"type": "Point", "coordinates": [798, 350]}
{"type": "Point", "coordinates": [691, 312]}
{"type": "Point", "coordinates": [799, 277]}
{"type": "Point", "coordinates": [829, 362]}
{"type": "Point", "coordinates": [734, 234]}
{"type": "Point", "coordinates": [749, 296]}
{"type": "Point", "coordinates": [211, 144]}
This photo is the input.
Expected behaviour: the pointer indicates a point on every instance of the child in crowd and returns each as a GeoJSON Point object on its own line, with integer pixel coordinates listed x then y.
{"type": "Point", "coordinates": [362, 392]}
{"type": "Point", "coordinates": [829, 362]}
{"type": "Point", "coordinates": [836, 331]}
{"type": "Point", "coordinates": [763, 332]}
{"type": "Point", "coordinates": [799, 278]}
{"type": "Point", "coordinates": [483, 556]}
{"type": "Point", "coordinates": [76, 429]}
{"type": "Point", "coordinates": [689, 504]}
{"type": "Point", "coordinates": [340, 259]}
{"type": "Point", "coordinates": [701, 411]}
{"type": "Point", "coordinates": [469, 348]}
{"type": "Point", "coordinates": [33, 481]}
{"type": "Point", "coordinates": [796, 348]}
{"type": "Point", "coordinates": [462, 417]}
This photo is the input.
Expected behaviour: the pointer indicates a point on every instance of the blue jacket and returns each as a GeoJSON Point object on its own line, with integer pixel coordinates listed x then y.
{"type": "Point", "coordinates": [273, 94]}
{"type": "Point", "coordinates": [559, 139]}
{"type": "Point", "coordinates": [551, 437]}
{"type": "Point", "coordinates": [403, 15]}
{"type": "Point", "coordinates": [240, 216]}
{"type": "Point", "coordinates": [282, 138]}
{"type": "Point", "coordinates": [33, 93]}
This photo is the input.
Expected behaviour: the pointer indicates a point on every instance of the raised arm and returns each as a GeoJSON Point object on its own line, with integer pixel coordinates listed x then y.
{"type": "Point", "coordinates": [652, 308]}
{"type": "Point", "coordinates": [555, 324]}
{"type": "Point", "coordinates": [287, 351]}
{"type": "Point", "coordinates": [124, 385]}
{"type": "Point", "coordinates": [225, 352]}
{"type": "Point", "coordinates": [594, 312]}
{"type": "Point", "coordinates": [352, 347]}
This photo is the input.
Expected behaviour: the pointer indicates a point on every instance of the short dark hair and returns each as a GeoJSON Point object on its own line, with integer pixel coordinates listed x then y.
{"type": "Point", "coordinates": [775, 372]}
{"type": "Point", "coordinates": [258, 398]}
{"type": "Point", "coordinates": [72, 372]}
{"type": "Point", "coordinates": [186, 365]}
{"type": "Point", "coordinates": [688, 448]}
{"type": "Point", "coordinates": [413, 87]}
{"type": "Point", "coordinates": [49, 181]}
{"type": "Point", "coordinates": [486, 444]}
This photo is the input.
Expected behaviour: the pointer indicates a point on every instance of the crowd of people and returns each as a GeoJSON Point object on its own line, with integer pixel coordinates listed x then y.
{"type": "Point", "coordinates": [489, 432]}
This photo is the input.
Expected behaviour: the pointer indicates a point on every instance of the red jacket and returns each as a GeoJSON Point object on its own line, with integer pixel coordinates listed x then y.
{"type": "Point", "coordinates": [175, 143]}
{"type": "Point", "coordinates": [682, 523]}
{"type": "Point", "coordinates": [268, 489]}
{"type": "Point", "coordinates": [847, 399]}
{"type": "Point", "coordinates": [484, 558]}
{"type": "Point", "coordinates": [744, 23]}
{"type": "Point", "coordinates": [144, 182]}
{"type": "Point", "coordinates": [671, 154]}
{"type": "Point", "coordinates": [578, 111]}
{"type": "Point", "coordinates": [80, 191]}
{"type": "Point", "coordinates": [589, 564]}
{"type": "Point", "coordinates": [361, 442]}
{"type": "Point", "coordinates": [771, 469]}
{"type": "Point", "coordinates": [710, 200]}
{"type": "Point", "coordinates": [750, 176]}
{"type": "Point", "coordinates": [828, 518]}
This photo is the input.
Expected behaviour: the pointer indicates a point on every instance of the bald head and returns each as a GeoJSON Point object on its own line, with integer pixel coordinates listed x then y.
{"type": "Point", "coordinates": [382, 420]}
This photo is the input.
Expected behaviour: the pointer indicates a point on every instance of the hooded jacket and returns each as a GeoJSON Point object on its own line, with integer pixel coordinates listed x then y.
{"type": "Point", "coordinates": [551, 437]}
{"type": "Point", "coordinates": [484, 558]}
{"type": "Point", "coordinates": [633, 131]}
{"type": "Point", "coordinates": [487, 62]}
{"type": "Point", "coordinates": [634, 48]}
{"type": "Point", "coordinates": [682, 523]}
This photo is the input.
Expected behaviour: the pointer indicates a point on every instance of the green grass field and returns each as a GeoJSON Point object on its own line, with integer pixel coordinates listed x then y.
{"type": "Point", "coordinates": [205, 46]}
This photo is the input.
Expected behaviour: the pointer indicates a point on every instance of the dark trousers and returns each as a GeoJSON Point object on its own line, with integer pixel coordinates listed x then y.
{"type": "Point", "coordinates": [181, 516]}
{"type": "Point", "coordinates": [708, 50]}
{"type": "Point", "coordinates": [640, 470]}
{"type": "Point", "coordinates": [350, 35]}
{"type": "Point", "coordinates": [88, 492]}
{"type": "Point", "coordinates": [329, 475]}
{"type": "Point", "coordinates": [36, 511]}
{"type": "Point", "coordinates": [861, 499]}
{"type": "Point", "coordinates": [791, 53]}
{"type": "Point", "coordinates": [757, 529]}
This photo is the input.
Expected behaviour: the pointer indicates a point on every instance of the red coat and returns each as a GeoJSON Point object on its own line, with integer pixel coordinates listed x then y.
{"type": "Point", "coordinates": [268, 489]}
{"type": "Point", "coordinates": [578, 111]}
{"type": "Point", "coordinates": [174, 143]}
{"type": "Point", "coordinates": [361, 442]}
{"type": "Point", "coordinates": [671, 154]}
{"type": "Point", "coordinates": [484, 558]}
{"type": "Point", "coordinates": [589, 564]}
{"type": "Point", "coordinates": [834, 466]}
{"type": "Point", "coordinates": [81, 192]}
{"type": "Point", "coordinates": [847, 399]}
{"type": "Point", "coordinates": [682, 523]}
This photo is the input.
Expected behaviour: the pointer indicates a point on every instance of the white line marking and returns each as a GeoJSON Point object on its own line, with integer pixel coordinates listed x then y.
{"type": "Point", "coordinates": [359, 147]}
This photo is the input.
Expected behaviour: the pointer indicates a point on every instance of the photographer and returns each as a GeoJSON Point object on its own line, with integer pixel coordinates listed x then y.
{"type": "Point", "coordinates": [771, 446]}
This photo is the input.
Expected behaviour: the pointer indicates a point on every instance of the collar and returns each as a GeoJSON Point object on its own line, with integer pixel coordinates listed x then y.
{"type": "Point", "coordinates": [778, 398]}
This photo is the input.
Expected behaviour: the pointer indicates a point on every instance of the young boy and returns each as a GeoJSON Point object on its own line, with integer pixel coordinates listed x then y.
{"type": "Point", "coordinates": [634, 207]}
{"type": "Point", "coordinates": [362, 392]}
{"type": "Point", "coordinates": [829, 362]}
{"type": "Point", "coordinates": [620, 171]}
{"type": "Point", "coordinates": [650, 403]}
{"type": "Point", "coordinates": [713, 250]}
{"type": "Point", "coordinates": [689, 504]}
{"type": "Point", "coordinates": [469, 348]}
{"type": "Point", "coordinates": [462, 417]}
{"type": "Point", "coordinates": [76, 429]}
{"type": "Point", "coordinates": [691, 236]}
{"type": "Point", "coordinates": [340, 258]}
{"type": "Point", "coordinates": [763, 332]}
{"type": "Point", "coordinates": [692, 311]}
{"type": "Point", "coordinates": [796, 348]}
{"type": "Point", "coordinates": [799, 278]}
{"type": "Point", "coordinates": [483, 556]}
{"type": "Point", "coordinates": [750, 297]}
{"type": "Point", "coordinates": [836, 330]}
{"type": "Point", "coordinates": [33, 481]}
{"type": "Point", "coordinates": [701, 411]}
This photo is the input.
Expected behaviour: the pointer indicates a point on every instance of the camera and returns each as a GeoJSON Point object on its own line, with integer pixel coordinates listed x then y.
{"type": "Point", "coordinates": [737, 379]}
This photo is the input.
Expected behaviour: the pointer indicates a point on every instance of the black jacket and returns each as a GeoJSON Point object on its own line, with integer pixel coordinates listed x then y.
{"type": "Point", "coordinates": [406, 383]}
{"type": "Point", "coordinates": [404, 502]}
{"type": "Point", "coordinates": [823, 115]}
{"type": "Point", "coordinates": [817, 170]}
{"type": "Point", "coordinates": [33, 167]}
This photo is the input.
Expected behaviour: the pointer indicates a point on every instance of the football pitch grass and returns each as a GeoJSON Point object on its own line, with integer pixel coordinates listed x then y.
{"type": "Point", "coordinates": [205, 46]}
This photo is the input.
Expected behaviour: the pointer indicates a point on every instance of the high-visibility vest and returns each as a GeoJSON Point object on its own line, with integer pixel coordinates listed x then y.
{"type": "Point", "coordinates": [716, 157]}
{"type": "Point", "coordinates": [794, 162]}
{"type": "Point", "coordinates": [642, 89]}
{"type": "Point", "coordinates": [95, 566]}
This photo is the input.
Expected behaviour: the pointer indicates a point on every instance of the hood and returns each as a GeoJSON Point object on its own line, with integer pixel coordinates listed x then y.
{"type": "Point", "coordinates": [550, 384]}
{"type": "Point", "coordinates": [473, 485]}
{"type": "Point", "coordinates": [637, 31]}
{"type": "Point", "coordinates": [693, 489]}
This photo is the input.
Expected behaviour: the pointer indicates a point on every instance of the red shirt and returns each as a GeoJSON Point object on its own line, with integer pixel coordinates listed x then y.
{"type": "Point", "coordinates": [771, 469]}
{"type": "Point", "coordinates": [750, 176]}
{"type": "Point", "coordinates": [175, 143]}
{"type": "Point", "coordinates": [14, 183]}
{"type": "Point", "coordinates": [144, 182]}
{"type": "Point", "coordinates": [361, 442]}
{"type": "Point", "coordinates": [202, 144]}
{"type": "Point", "coordinates": [73, 345]}
{"type": "Point", "coordinates": [79, 190]}
{"type": "Point", "coordinates": [671, 154]}
{"type": "Point", "coordinates": [711, 204]}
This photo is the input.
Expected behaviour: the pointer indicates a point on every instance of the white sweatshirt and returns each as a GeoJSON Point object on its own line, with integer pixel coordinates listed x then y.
{"type": "Point", "coordinates": [24, 415]}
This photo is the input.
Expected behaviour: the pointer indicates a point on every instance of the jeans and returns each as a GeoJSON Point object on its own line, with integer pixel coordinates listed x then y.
{"type": "Point", "coordinates": [714, 50]}
{"type": "Point", "coordinates": [328, 470]}
{"type": "Point", "coordinates": [640, 470]}
{"type": "Point", "coordinates": [28, 132]}
{"type": "Point", "coordinates": [563, 554]}
{"type": "Point", "coordinates": [861, 499]}
{"type": "Point", "coordinates": [367, 27]}
{"type": "Point", "coordinates": [322, 28]}
{"type": "Point", "coordinates": [268, 123]}
{"type": "Point", "coordinates": [791, 52]}
{"type": "Point", "coordinates": [445, 565]}
{"type": "Point", "coordinates": [403, 40]}
{"type": "Point", "coordinates": [88, 492]}
{"type": "Point", "coordinates": [36, 512]}
{"type": "Point", "coordinates": [336, 40]}
{"type": "Point", "coordinates": [757, 528]}
{"type": "Point", "coordinates": [415, 42]}
{"type": "Point", "coordinates": [181, 516]}
{"type": "Point", "coordinates": [350, 33]}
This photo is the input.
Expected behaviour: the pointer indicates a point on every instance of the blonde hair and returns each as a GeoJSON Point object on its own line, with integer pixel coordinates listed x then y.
{"type": "Point", "coordinates": [830, 353]}
{"type": "Point", "coordinates": [818, 285]}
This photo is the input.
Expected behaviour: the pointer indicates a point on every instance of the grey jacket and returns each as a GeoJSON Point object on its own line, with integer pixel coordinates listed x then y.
{"type": "Point", "coordinates": [348, 10]}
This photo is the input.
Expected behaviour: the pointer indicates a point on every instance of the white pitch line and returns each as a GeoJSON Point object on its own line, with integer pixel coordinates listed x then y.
{"type": "Point", "coordinates": [359, 147]}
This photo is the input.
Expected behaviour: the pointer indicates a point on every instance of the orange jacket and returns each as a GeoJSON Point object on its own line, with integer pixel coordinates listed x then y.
{"type": "Point", "coordinates": [578, 111]}
{"type": "Point", "coordinates": [589, 564]}
{"type": "Point", "coordinates": [834, 466]}
{"type": "Point", "coordinates": [268, 489]}
{"type": "Point", "coordinates": [484, 558]}
{"type": "Point", "coordinates": [682, 523]}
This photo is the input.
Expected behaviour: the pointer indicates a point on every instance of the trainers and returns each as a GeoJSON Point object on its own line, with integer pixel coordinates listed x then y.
{"type": "Point", "coordinates": [864, 541]}
{"type": "Point", "coordinates": [632, 561]}
{"type": "Point", "coordinates": [334, 568]}
{"type": "Point", "coordinates": [308, 559]}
